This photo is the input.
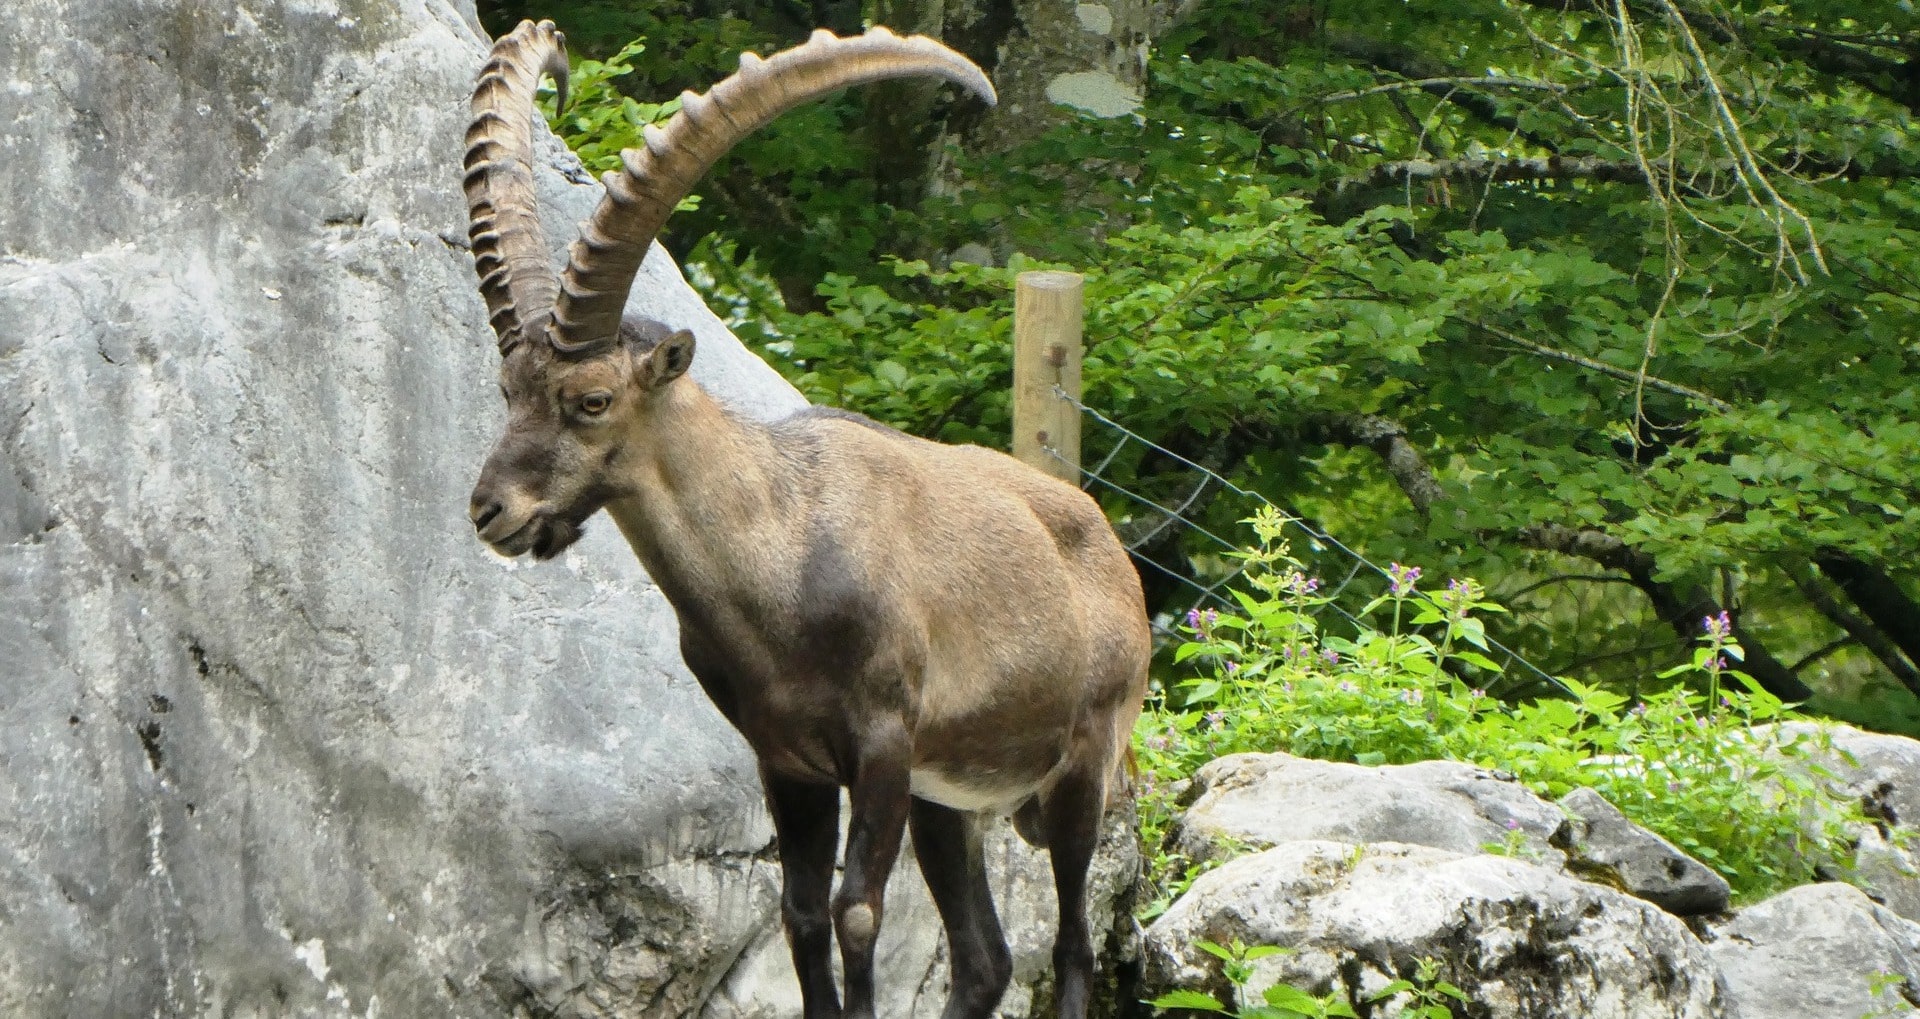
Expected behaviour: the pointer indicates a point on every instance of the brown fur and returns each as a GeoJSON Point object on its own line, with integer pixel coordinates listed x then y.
{"type": "Point", "coordinates": [942, 630]}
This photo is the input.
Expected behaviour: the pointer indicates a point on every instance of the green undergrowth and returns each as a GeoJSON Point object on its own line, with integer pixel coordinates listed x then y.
{"type": "Point", "coordinates": [1698, 762]}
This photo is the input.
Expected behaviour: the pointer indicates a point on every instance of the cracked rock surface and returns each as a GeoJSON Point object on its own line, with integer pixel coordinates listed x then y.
{"type": "Point", "coordinates": [1522, 941]}
{"type": "Point", "coordinates": [1819, 950]}
{"type": "Point", "coordinates": [280, 738]}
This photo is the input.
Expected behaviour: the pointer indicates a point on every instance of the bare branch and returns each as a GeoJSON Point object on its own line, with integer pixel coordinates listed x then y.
{"type": "Point", "coordinates": [1387, 439]}
{"type": "Point", "coordinates": [1427, 84]}
{"type": "Point", "coordinates": [1608, 370]}
{"type": "Point", "coordinates": [1510, 168]}
{"type": "Point", "coordinates": [1857, 628]}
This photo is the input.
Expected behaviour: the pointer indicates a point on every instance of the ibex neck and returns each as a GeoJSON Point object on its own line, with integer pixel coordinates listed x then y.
{"type": "Point", "coordinates": [711, 497]}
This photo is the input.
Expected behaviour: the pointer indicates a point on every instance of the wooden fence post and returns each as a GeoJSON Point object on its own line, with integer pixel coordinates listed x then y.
{"type": "Point", "coordinates": [1047, 313]}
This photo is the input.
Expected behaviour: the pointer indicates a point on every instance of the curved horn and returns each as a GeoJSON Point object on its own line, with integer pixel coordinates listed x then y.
{"type": "Point", "coordinates": [509, 250]}
{"type": "Point", "coordinates": [601, 265]}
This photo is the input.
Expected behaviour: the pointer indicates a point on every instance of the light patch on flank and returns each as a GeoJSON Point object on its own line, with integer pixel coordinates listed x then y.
{"type": "Point", "coordinates": [1096, 92]}
{"type": "Point", "coordinates": [931, 785]}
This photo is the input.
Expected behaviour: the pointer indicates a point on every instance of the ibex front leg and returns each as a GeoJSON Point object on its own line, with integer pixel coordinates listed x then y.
{"type": "Point", "coordinates": [806, 817]}
{"type": "Point", "coordinates": [879, 798]}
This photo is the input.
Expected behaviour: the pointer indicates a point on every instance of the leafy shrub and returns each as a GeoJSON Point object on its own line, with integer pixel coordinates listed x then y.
{"type": "Point", "coordinates": [1694, 762]}
{"type": "Point", "coordinates": [1425, 996]}
{"type": "Point", "coordinates": [599, 121]}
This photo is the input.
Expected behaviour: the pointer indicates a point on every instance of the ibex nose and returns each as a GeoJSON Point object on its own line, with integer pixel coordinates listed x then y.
{"type": "Point", "coordinates": [482, 511]}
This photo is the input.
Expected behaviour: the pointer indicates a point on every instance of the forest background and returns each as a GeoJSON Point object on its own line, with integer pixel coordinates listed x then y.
{"type": "Point", "coordinates": [1613, 305]}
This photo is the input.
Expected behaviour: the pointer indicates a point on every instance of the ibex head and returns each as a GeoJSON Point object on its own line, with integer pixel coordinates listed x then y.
{"type": "Point", "coordinates": [581, 383]}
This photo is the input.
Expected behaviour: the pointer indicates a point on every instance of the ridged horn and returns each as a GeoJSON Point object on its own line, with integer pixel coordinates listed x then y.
{"type": "Point", "coordinates": [509, 249]}
{"type": "Point", "coordinates": [602, 263]}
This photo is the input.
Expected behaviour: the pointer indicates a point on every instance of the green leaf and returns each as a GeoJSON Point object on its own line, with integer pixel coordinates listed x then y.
{"type": "Point", "coordinates": [1188, 999]}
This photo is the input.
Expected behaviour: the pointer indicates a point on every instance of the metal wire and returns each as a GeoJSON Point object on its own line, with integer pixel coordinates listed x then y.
{"type": "Point", "coordinates": [1321, 543]}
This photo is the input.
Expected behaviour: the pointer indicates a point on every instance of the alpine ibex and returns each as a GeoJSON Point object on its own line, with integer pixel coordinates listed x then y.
{"type": "Point", "coordinates": [943, 630]}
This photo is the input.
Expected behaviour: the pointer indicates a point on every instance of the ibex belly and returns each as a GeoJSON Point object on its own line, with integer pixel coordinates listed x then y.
{"type": "Point", "coordinates": [963, 791]}
{"type": "Point", "coordinates": [995, 751]}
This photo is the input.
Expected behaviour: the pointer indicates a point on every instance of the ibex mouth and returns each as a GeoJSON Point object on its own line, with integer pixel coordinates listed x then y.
{"type": "Point", "coordinates": [543, 535]}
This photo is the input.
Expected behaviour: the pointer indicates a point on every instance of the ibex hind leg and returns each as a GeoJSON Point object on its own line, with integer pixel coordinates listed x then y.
{"type": "Point", "coordinates": [947, 844]}
{"type": "Point", "coordinates": [1070, 816]}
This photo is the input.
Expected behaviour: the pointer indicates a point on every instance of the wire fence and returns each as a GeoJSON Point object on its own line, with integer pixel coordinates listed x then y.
{"type": "Point", "coordinates": [1337, 565]}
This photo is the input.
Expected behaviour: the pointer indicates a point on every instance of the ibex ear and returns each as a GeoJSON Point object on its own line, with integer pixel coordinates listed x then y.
{"type": "Point", "coordinates": [668, 360]}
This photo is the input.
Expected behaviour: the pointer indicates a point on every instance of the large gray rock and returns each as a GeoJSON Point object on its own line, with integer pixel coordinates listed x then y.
{"type": "Point", "coordinates": [1881, 772]}
{"type": "Point", "coordinates": [280, 737]}
{"type": "Point", "coordinates": [1522, 941]}
{"type": "Point", "coordinates": [1819, 950]}
{"type": "Point", "coordinates": [1603, 845]}
{"type": "Point", "coordinates": [1253, 801]}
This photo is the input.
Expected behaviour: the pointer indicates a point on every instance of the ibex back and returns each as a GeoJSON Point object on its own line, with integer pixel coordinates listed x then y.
{"type": "Point", "coordinates": [942, 630]}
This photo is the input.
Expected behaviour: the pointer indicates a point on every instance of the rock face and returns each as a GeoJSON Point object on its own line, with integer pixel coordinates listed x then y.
{"type": "Point", "coordinates": [1604, 846]}
{"type": "Point", "coordinates": [1882, 772]}
{"type": "Point", "coordinates": [281, 738]}
{"type": "Point", "coordinates": [1523, 941]}
{"type": "Point", "coordinates": [1260, 800]}
{"type": "Point", "coordinates": [1819, 950]}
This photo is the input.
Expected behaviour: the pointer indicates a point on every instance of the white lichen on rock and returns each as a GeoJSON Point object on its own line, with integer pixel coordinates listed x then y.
{"type": "Point", "coordinates": [1097, 92]}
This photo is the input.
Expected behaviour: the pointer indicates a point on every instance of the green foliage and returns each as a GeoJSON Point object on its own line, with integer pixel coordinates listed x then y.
{"type": "Point", "coordinates": [1698, 762]}
{"type": "Point", "coordinates": [1280, 1001]}
{"type": "Point", "coordinates": [1662, 359]}
{"type": "Point", "coordinates": [1425, 996]}
{"type": "Point", "coordinates": [600, 122]}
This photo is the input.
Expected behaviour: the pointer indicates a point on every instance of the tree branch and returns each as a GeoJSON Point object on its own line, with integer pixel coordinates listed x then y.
{"type": "Point", "coordinates": [1879, 596]}
{"type": "Point", "coordinates": [1682, 610]}
{"type": "Point", "coordinates": [1622, 374]}
{"type": "Point", "coordinates": [1389, 441]}
{"type": "Point", "coordinates": [1858, 630]}
{"type": "Point", "coordinates": [1895, 80]}
{"type": "Point", "coordinates": [1510, 168]}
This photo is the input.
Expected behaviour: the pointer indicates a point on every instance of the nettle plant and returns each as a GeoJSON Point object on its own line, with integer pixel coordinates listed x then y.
{"type": "Point", "coordinates": [1426, 996]}
{"type": "Point", "coordinates": [1701, 762]}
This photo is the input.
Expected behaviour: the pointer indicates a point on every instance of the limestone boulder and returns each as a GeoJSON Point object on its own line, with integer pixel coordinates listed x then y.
{"type": "Point", "coordinates": [1881, 772]}
{"type": "Point", "coordinates": [1818, 950]}
{"type": "Point", "coordinates": [1521, 941]}
{"type": "Point", "coordinates": [1603, 845]}
{"type": "Point", "coordinates": [1254, 801]}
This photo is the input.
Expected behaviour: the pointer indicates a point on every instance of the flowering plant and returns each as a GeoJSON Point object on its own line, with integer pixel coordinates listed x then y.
{"type": "Point", "coordinates": [1699, 762]}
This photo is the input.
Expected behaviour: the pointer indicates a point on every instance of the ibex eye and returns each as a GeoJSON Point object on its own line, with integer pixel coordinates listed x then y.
{"type": "Point", "coordinates": [595, 403]}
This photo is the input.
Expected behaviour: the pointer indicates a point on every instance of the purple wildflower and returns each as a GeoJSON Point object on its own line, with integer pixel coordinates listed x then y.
{"type": "Point", "coordinates": [1215, 719]}
{"type": "Point", "coordinates": [1332, 656]}
{"type": "Point", "coordinates": [1720, 626]}
{"type": "Point", "coordinates": [1402, 579]}
{"type": "Point", "coordinates": [1513, 825]}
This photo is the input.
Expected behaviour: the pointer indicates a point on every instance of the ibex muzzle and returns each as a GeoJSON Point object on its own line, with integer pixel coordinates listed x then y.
{"type": "Point", "coordinates": [571, 423]}
{"type": "Point", "coordinates": [942, 630]}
